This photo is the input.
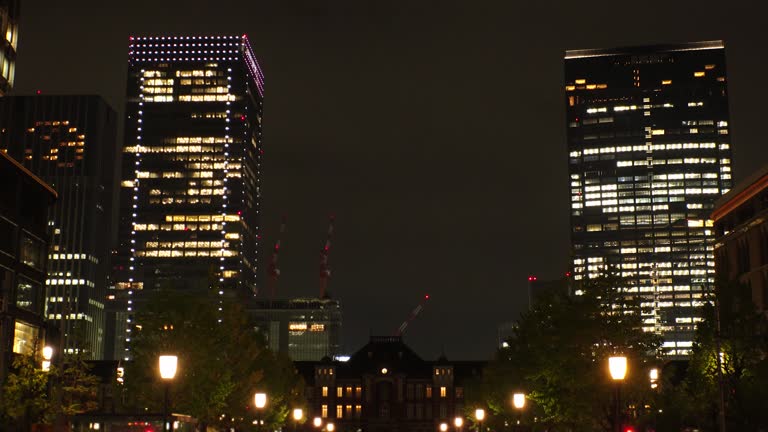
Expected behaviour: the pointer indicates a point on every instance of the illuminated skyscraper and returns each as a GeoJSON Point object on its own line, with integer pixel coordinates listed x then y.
{"type": "Point", "coordinates": [649, 150]}
{"type": "Point", "coordinates": [189, 200]}
{"type": "Point", "coordinates": [9, 25]}
{"type": "Point", "coordinates": [70, 142]}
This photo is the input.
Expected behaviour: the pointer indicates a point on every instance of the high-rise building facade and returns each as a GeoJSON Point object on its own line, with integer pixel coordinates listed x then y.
{"type": "Point", "coordinates": [9, 25]}
{"type": "Point", "coordinates": [649, 153]}
{"type": "Point", "coordinates": [304, 328]}
{"type": "Point", "coordinates": [70, 142]}
{"type": "Point", "coordinates": [189, 197]}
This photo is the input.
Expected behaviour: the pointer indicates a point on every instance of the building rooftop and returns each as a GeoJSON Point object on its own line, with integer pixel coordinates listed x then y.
{"type": "Point", "coordinates": [643, 49]}
{"type": "Point", "coordinates": [741, 192]}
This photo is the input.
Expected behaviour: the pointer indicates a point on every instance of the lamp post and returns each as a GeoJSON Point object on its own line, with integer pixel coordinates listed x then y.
{"type": "Point", "coordinates": [47, 356]}
{"type": "Point", "coordinates": [617, 366]}
{"type": "Point", "coordinates": [298, 414]}
{"type": "Point", "coordinates": [443, 427]}
{"type": "Point", "coordinates": [458, 422]}
{"type": "Point", "coordinates": [479, 416]}
{"type": "Point", "coordinates": [168, 365]}
{"type": "Point", "coordinates": [260, 401]}
{"type": "Point", "coordinates": [330, 427]}
{"type": "Point", "coordinates": [317, 422]}
{"type": "Point", "coordinates": [518, 401]}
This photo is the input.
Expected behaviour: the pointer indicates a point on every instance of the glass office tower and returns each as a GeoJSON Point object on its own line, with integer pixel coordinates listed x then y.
{"type": "Point", "coordinates": [9, 26]}
{"type": "Point", "coordinates": [649, 153]}
{"type": "Point", "coordinates": [189, 199]}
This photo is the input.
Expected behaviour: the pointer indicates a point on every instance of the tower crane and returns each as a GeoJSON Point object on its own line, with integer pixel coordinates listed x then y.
{"type": "Point", "coordinates": [274, 271]}
{"type": "Point", "coordinates": [414, 313]}
{"type": "Point", "coordinates": [325, 271]}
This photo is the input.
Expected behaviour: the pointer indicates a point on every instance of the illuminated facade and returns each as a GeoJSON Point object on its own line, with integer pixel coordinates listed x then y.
{"type": "Point", "coordinates": [9, 25]}
{"type": "Point", "coordinates": [649, 153]}
{"type": "Point", "coordinates": [190, 168]}
{"type": "Point", "coordinates": [70, 142]}
{"type": "Point", "coordinates": [305, 329]}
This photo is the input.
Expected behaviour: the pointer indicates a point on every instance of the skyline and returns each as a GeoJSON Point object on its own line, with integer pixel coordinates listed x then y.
{"type": "Point", "coordinates": [418, 238]}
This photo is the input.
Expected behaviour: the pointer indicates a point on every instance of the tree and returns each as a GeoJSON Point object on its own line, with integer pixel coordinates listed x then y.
{"type": "Point", "coordinates": [558, 356]}
{"type": "Point", "coordinates": [25, 392]}
{"type": "Point", "coordinates": [76, 389]}
{"type": "Point", "coordinates": [222, 361]}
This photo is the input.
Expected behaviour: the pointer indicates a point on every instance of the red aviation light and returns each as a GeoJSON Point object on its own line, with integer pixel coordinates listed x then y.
{"type": "Point", "coordinates": [532, 278]}
{"type": "Point", "coordinates": [426, 297]}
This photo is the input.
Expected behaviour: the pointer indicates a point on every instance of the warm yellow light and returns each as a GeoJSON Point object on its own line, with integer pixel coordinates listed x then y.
{"type": "Point", "coordinates": [168, 364]}
{"type": "Point", "coordinates": [260, 400]}
{"type": "Point", "coordinates": [518, 400]}
{"type": "Point", "coordinates": [298, 414]}
{"type": "Point", "coordinates": [47, 352]}
{"type": "Point", "coordinates": [617, 366]}
{"type": "Point", "coordinates": [698, 74]}
{"type": "Point", "coordinates": [458, 422]}
{"type": "Point", "coordinates": [654, 374]}
{"type": "Point", "coordinates": [479, 414]}
{"type": "Point", "coordinates": [666, 82]}
{"type": "Point", "coordinates": [581, 81]}
{"type": "Point", "coordinates": [317, 422]}
{"type": "Point", "coordinates": [443, 427]}
{"type": "Point", "coordinates": [330, 427]}
{"type": "Point", "coordinates": [384, 371]}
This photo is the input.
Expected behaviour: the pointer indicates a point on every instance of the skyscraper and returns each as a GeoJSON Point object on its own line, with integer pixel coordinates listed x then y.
{"type": "Point", "coordinates": [9, 25]}
{"type": "Point", "coordinates": [70, 142]}
{"type": "Point", "coordinates": [649, 153]}
{"type": "Point", "coordinates": [189, 199]}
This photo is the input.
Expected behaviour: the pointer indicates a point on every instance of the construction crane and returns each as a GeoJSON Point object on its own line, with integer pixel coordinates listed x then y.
{"type": "Point", "coordinates": [325, 271]}
{"type": "Point", "coordinates": [414, 313]}
{"type": "Point", "coordinates": [274, 271]}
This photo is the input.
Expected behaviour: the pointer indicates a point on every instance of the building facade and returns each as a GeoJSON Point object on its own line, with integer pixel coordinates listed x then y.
{"type": "Point", "coordinates": [305, 329]}
{"type": "Point", "coordinates": [9, 25]}
{"type": "Point", "coordinates": [24, 204]}
{"type": "Point", "coordinates": [385, 386]}
{"type": "Point", "coordinates": [190, 192]}
{"type": "Point", "coordinates": [649, 153]}
{"type": "Point", "coordinates": [70, 142]}
{"type": "Point", "coordinates": [741, 227]}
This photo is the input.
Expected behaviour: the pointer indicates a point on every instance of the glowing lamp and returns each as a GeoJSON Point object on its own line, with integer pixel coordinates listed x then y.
{"type": "Point", "coordinates": [168, 364]}
{"type": "Point", "coordinates": [317, 422]}
{"type": "Point", "coordinates": [518, 400]}
{"type": "Point", "coordinates": [458, 422]}
{"type": "Point", "coordinates": [298, 414]}
{"type": "Point", "coordinates": [480, 414]}
{"type": "Point", "coordinates": [443, 427]}
{"type": "Point", "coordinates": [654, 374]}
{"type": "Point", "coordinates": [330, 427]}
{"type": "Point", "coordinates": [260, 400]}
{"type": "Point", "coordinates": [617, 365]}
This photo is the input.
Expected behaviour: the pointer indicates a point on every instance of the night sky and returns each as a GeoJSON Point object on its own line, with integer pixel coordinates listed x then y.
{"type": "Point", "coordinates": [433, 130]}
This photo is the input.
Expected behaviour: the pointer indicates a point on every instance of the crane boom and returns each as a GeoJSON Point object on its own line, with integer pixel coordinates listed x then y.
{"type": "Point", "coordinates": [274, 270]}
{"type": "Point", "coordinates": [414, 313]}
{"type": "Point", "coordinates": [325, 270]}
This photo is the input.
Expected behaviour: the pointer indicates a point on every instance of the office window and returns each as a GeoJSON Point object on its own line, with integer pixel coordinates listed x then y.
{"type": "Point", "coordinates": [358, 410]}
{"type": "Point", "coordinates": [443, 392]}
{"type": "Point", "coordinates": [348, 410]}
{"type": "Point", "coordinates": [339, 411]}
{"type": "Point", "coordinates": [24, 337]}
{"type": "Point", "coordinates": [348, 391]}
{"type": "Point", "coordinates": [324, 411]}
{"type": "Point", "coordinates": [27, 294]}
{"type": "Point", "coordinates": [358, 392]}
{"type": "Point", "coordinates": [339, 391]}
{"type": "Point", "coordinates": [429, 391]}
{"type": "Point", "coordinates": [325, 391]}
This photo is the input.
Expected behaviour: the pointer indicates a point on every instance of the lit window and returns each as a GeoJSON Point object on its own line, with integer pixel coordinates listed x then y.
{"type": "Point", "coordinates": [324, 411]}
{"type": "Point", "coordinates": [339, 391]}
{"type": "Point", "coordinates": [443, 392]}
{"type": "Point", "coordinates": [339, 411]}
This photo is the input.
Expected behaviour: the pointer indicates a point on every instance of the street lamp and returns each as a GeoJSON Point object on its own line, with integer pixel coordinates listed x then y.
{"type": "Point", "coordinates": [298, 414]}
{"type": "Point", "coordinates": [480, 416]}
{"type": "Point", "coordinates": [260, 400]}
{"type": "Point", "coordinates": [458, 422]}
{"type": "Point", "coordinates": [617, 366]}
{"type": "Point", "coordinates": [317, 422]}
{"type": "Point", "coordinates": [330, 427]}
{"type": "Point", "coordinates": [653, 374]}
{"type": "Point", "coordinates": [443, 427]}
{"type": "Point", "coordinates": [47, 356]}
{"type": "Point", "coordinates": [168, 365]}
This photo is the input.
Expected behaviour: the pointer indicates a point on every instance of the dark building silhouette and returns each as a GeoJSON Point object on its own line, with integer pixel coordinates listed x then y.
{"type": "Point", "coordinates": [9, 25]}
{"type": "Point", "coordinates": [24, 203]}
{"type": "Point", "coordinates": [190, 192]}
{"type": "Point", "coordinates": [649, 153]}
{"type": "Point", "coordinates": [741, 227]}
{"type": "Point", "coordinates": [302, 328]}
{"type": "Point", "coordinates": [385, 386]}
{"type": "Point", "coordinates": [70, 142]}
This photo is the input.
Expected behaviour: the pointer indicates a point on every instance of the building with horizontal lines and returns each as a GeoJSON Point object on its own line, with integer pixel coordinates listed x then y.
{"type": "Point", "coordinates": [71, 143]}
{"type": "Point", "coordinates": [649, 153]}
{"type": "Point", "coordinates": [9, 26]}
{"type": "Point", "coordinates": [190, 194]}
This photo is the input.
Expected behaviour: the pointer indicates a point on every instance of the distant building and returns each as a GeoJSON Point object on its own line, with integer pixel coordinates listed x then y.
{"type": "Point", "coordinates": [71, 142]}
{"type": "Point", "coordinates": [190, 190]}
{"type": "Point", "coordinates": [649, 153]}
{"type": "Point", "coordinates": [385, 386]}
{"type": "Point", "coordinates": [305, 329]}
{"type": "Point", "coordinates": [24, 203]}
{"type": "Point", "coordinates": [506, 331]}
{"type": "Point", "coordinates": [9, 25]}
{"type": "Point", "coordinates": [741, 227]}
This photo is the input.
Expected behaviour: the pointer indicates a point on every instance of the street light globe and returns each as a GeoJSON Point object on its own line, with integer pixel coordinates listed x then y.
{"type": "Point", "coordinates": [654, 374]}
{"type": "Point", "coordinates": [480, 414]}
{"type": "Point", "coordinates": [168, 364]}
{"type": "Point", "coordinates": [298, 414]}
{"type": "Point", "coordinates": [330, 427]}
{"type": "Point", "coordinates": [443, 427]}
{"type": "Point", "coordinates": [458, 422]}
{"type": "Point", "coordinates": [617, 365]}
{"type": "Point", "coordinates": [47, 352]}
{"type": "Point", "coordinates": [260, 400]}
{"type": "Point", "coordinates": [518, 400]}
{"type": "Point", "coordinates": [317, 422]}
